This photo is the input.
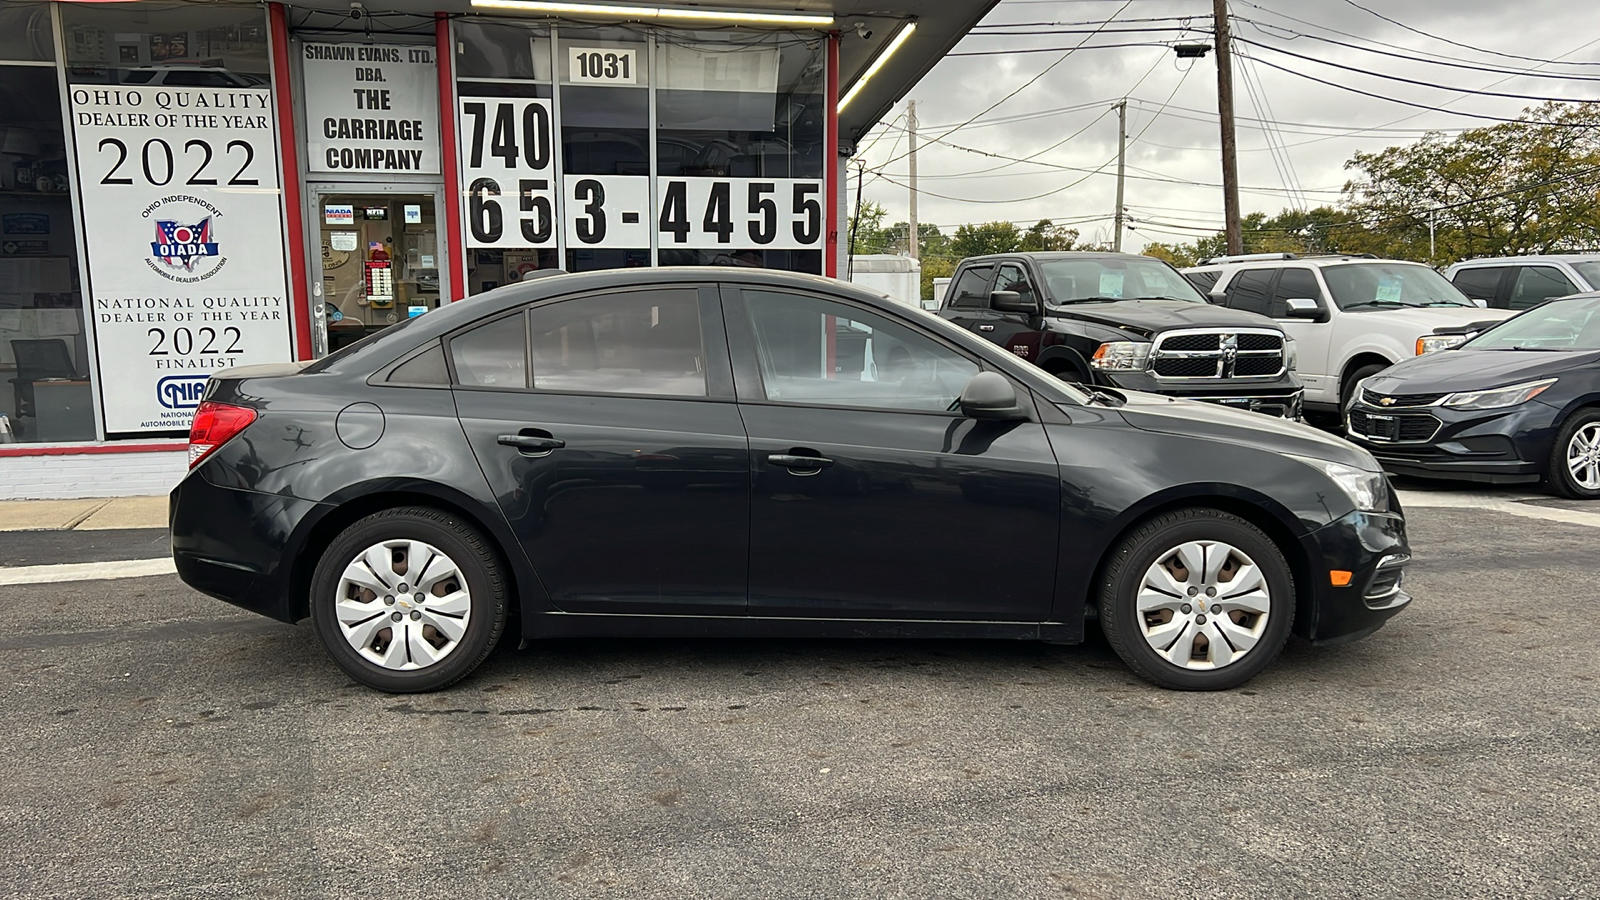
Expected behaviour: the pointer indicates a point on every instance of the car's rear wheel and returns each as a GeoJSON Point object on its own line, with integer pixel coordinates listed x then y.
{"type": "Point", "coordinates": [1575, 459]}
{"type": "Point", "coordinates": [1197, 600]}
{"type": "Point", "coordinates": [408, 600]}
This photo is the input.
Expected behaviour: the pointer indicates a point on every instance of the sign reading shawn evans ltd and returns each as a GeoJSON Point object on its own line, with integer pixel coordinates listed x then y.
{"type": "Point", "coordinates": [371, 108]}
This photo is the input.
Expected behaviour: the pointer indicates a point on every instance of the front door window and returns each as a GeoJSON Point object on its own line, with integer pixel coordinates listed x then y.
{"type": "Point", "coordinates": [380, 262]}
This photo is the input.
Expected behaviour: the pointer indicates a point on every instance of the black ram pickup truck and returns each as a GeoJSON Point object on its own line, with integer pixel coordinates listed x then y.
{"type": "Point", "coordinates": [1125, 321]}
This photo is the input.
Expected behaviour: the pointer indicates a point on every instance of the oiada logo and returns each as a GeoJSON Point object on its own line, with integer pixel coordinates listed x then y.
{"type": "Point", "coordinates": [181, 391]}
{"type": "Point", "coordinates": [185, 247]}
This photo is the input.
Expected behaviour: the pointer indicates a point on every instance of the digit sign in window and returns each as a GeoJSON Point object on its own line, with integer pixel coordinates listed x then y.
{"type": "Point", "coordinates": [771, 213]}
{"type": "Point", "coordinates": [602, 65]}
{"type": "Point", "coordinates": [508, 172]}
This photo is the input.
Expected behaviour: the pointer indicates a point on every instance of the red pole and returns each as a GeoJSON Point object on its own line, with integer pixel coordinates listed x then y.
{"type": "Point", "coordinates": [830, 162]}
{"type": "Point", "coordinates": [452, 171]}
{"type": "Point", "coordinates": [293, 212]}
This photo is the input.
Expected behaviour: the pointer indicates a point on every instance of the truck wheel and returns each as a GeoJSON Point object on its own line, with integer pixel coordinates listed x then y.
{"type": "Point", "coordinates": [1197, 600]}
{"type": "Point", "coordinates": [1347, 391]}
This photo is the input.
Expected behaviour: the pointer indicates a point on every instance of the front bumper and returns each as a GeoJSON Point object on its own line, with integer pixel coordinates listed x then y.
{"type": "Point", "coordinates": [1373, 548]}
{"type": "Point", "coordinates": [1498, 446]}
{"type": "Point", "coordinates": [1282, 397]}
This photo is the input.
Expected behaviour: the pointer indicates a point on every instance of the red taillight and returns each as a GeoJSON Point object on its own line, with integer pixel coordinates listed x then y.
{"type": "Point", "coordinates": [214, 424]}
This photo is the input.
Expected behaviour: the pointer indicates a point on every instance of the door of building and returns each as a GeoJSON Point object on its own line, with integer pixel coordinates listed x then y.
{"type": "Point", "coordinates": [377, 258]}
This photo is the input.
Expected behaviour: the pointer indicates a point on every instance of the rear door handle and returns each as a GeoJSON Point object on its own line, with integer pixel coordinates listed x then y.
{"type": "Point", "coordinates": [528, 443]}
{"type": "Point", "coordinates": [795, 461]}
{"type": "Point", "coordinates": [985, 327]}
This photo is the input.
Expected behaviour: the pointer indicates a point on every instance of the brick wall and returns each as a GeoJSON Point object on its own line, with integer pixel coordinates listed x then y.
{"type": "Point", "coordinates": [91, 475]}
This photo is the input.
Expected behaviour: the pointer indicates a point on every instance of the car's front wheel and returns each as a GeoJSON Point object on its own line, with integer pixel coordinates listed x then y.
{"type": "Point", "coordinates": [1197, 599]}
{"type": "Point", "coordinates": [1575, 459]}
{"type": "Point", "coordinates": [408, 600]}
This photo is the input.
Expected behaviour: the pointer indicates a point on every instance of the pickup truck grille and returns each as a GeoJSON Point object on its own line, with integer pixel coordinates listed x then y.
{"type": "Point", "coordinates": [1217, 353]}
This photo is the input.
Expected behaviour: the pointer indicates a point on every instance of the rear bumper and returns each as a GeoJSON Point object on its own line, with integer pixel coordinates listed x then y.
{"type": "Point", "coordinates": [234, 545]}
{"type": "Point", "coordinates": [1373, 548]}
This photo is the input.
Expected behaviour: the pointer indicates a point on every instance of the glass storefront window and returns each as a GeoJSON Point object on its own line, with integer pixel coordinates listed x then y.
{"type": "Point", "coordinates": [188, 45]}
{"type": "Point", "coordinates": [44, 352]}
{"type": "Point", "coordinates": [379, 267]}
{"type": "Point", "coordinates": [605, 146]}
{"type": "Point", "coordinates": [26, 33]}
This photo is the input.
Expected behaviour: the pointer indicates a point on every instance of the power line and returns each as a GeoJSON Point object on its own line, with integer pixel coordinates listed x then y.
{"type": "Point", "coordinates": [1446, 40]}
{"type": "Point", "coordinates": [1026, 84]}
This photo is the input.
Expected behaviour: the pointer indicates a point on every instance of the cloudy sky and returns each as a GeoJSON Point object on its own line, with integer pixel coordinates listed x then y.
{"type": "Point", "coordinates": [1173, 161]}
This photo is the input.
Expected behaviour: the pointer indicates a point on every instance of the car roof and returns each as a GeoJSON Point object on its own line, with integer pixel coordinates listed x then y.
{"type": "Point", "coordinates": [1058, 254]}
{"type": "Point", "coordinates": [1533, 258]}
{"type": "Point", "coordinates": [1315, 261]}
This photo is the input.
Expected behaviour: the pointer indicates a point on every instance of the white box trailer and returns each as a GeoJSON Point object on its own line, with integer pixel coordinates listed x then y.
{"type": "Point", "coordinates": [940, 285]}
{"type": "Point", "coordinates": [898, 276]}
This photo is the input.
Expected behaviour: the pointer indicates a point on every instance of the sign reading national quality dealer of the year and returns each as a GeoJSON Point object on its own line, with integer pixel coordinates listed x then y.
{"type": "Point", "coordinates": [371, 108]}
{"type": "Point", "coordinates": [183, 222]}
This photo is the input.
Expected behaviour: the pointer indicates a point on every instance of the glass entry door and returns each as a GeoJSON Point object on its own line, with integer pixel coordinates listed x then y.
{"type": "Point", "coordinates": [380, 262]}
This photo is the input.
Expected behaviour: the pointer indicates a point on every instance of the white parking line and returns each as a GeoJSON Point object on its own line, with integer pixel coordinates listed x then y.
{"type": "Point", "coordinates": [100, 571]}
{"type": "Point", "coordinates": [1511, 504]}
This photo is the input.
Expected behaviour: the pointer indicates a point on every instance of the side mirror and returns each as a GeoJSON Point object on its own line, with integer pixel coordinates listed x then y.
{"type": "Point", "coordinates": [1012, 301]}
{"type": "Point", "coordinates": [1218, 298]}
{"type": "Point", "coordinates": [1302, 308]}
{"type": "Point", "coordinates": [989, 395]}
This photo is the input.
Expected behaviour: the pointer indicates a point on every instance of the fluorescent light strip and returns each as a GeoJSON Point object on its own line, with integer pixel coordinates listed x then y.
{"type": "Point", "coordinates": [905, 32]}
{"type": "Point", "coordinates": [679, 13]}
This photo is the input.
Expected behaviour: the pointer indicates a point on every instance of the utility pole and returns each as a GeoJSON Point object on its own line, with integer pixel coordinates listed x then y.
{"type": "Point", "coordinates": [1230, 147]}
{"type": "Point", "coordinates": [913, 239]}
{"type": "Point", "coordinates": [1122, 168]}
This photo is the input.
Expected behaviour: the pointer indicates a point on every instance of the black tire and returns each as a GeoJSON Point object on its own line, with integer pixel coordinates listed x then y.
{"type": "Point", "coordinates": [1071, 374]}
{"type": "Point", "coordinates": [1348, 388]}
{"type": "Point", "coordinates": [1157, 540]}
{"type": "Point", "coordinates": [1558, 477]}
{"type": "Point", "coordinates": [474, 560]}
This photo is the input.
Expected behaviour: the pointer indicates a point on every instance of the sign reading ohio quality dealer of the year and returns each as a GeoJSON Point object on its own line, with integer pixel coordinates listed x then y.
{"type": "Point", "coordinates": [184, 228]}
{"type": "Point", "coordinates": [371, 108]}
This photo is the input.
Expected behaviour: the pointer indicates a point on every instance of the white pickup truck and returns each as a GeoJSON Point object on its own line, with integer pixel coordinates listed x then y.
{"type": "Point", "coordinates": [1351, 317]}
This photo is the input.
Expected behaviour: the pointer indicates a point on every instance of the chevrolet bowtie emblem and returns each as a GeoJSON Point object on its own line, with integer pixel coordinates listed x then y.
{"type": "Point", "coordinates": [1386, 401]}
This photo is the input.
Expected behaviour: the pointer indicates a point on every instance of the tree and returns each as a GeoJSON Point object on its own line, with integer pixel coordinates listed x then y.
{"type": "Point", "coordinates": [1045, 236]}
{"type": "Point", "coordinates": [981, 240]}
{"type": "Point", "coordinates": [1516, 187]}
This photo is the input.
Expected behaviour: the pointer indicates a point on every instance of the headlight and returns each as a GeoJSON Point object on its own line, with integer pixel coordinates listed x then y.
{"type": "Point", "coordinates": [1122, 356]}
{"type": "Point", "coordinates": [1430, 343]}
{"type": "Point", "coordinates": [1369, 491]}
{"type": "Point", "coordinates": [1291, 355]}
{"type": "Point", "coordinates": [1499, 397]}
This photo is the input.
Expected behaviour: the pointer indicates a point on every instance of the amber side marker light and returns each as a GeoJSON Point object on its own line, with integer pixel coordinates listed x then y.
{"type": "Point", "coordinates": [1340, 577]}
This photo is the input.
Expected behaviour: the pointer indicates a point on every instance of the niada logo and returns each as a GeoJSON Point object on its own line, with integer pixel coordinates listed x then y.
{"type": "Point", "coordinates": [185, 248]}
{"type": "Point", "coordinates": [181, 391]}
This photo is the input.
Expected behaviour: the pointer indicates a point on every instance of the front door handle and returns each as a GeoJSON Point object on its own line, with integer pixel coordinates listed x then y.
{"type": "Point", "coordinates": [528, 443]}
{"type": "Point", "coordinates": [794, 461]}
{"type": "Point", "coordinates": [985, 327]}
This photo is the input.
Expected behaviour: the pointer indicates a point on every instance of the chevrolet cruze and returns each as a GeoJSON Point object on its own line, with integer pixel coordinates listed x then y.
{"type": "Point", "coordinates": [740, 453]}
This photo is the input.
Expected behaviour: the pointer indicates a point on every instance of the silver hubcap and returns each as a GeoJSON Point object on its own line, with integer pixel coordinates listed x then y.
{"type": "Point", "coordinates": [403, 605]}
{"type": "Point", "coordinates": [1583, 456]}
{"type": "Point", "coordinates": [1203, 605]}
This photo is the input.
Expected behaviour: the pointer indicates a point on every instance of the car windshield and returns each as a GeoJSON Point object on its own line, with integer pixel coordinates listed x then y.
{"type": "Point", "coordinates": [1590, 272]}
{"type": "Point", "coordinates": [1390, 285]}
{"type": "Point", "coordinates": [1560, 325]}
{"type": "Point", "coordinates": [1115, 278]}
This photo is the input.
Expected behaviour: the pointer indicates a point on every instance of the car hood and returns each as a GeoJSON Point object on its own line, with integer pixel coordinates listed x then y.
{"type": "Point", "coordinates": [1148, 317]}
{"type": "Point", "coordinates": [1474, 370]}
{"type": "Point", "coordinates": [1426, 318]}
{"type": "Point", "coordinates": [1169, 415]}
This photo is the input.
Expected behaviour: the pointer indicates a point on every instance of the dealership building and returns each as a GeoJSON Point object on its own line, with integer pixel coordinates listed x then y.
{"type": "Point", "coordinates": [189, 186]}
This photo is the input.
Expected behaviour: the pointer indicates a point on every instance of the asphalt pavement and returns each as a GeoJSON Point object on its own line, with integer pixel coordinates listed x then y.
{"type": "Point", "coordinates": [164, 744]}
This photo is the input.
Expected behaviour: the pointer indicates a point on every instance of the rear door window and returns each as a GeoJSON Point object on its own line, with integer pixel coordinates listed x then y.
{"type": "Point", "coordinates": [494, 354]}
{"type": "Point", "coordinates": [635, 342]}
{"type": "Point", "coordinates": [1479, 283]}
{"type": "Point", "coordinates": [1249, 290]}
